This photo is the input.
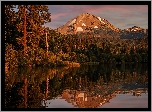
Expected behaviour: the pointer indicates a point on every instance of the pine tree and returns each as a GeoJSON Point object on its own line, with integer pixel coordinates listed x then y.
{"type": "Point", "coordinates": [31, 19]}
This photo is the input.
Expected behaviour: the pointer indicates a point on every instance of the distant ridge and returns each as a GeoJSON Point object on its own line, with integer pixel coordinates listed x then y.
{"type": "Point", "coordinates": [86, 22]}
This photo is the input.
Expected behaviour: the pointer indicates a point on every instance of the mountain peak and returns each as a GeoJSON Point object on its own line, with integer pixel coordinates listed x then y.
{"type": "Point", "coordinates": [134, 29]}
{"type": "Point", "coordinates": [85, 22]}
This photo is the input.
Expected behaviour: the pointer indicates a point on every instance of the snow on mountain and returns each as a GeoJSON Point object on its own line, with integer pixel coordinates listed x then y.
{"type": "Point", "coordinates": [73, 21]}
{"type": "Point", "coordinates": [95, 27]}
{"type": "Point", "coordinates": [83, 24]}
{"type": "Point", "coordinates": [79, 29]}
{"type": "Point", "coordinates": [80, 21]}
{"type": "Point", "coordinates": [99, 18]}
{"type": "Point", "coordinates": [103, 22]}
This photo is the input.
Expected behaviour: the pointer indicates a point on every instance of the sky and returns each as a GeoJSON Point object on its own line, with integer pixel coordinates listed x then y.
{"type": "Point", "coordinates": [121, 16]}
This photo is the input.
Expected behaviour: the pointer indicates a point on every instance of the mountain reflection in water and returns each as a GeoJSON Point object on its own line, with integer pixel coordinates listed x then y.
{"type": "Point", "coordinates": [89, 86]}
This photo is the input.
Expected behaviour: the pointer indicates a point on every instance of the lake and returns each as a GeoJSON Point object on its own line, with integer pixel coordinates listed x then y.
{"type": "Point", "coordinates": [87, 86]}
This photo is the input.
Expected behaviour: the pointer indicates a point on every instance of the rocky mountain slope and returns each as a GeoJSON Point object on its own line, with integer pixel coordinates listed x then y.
{"type": "Point", "coordinates": [99, 27]}
{"type": "Point", "coordinates": [134, 32]}
{"type": "Point", "coordinates": [85, 23]}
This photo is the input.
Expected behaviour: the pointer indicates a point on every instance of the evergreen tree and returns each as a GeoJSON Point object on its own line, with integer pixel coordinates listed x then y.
{"type": "Point", "coordinates": [30, 21]}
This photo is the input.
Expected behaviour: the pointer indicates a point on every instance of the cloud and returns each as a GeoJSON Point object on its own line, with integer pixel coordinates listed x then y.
{"type": "Point", "coordinates": [54, 24]}
{"type": "Point", "coordinates": [57, 16]}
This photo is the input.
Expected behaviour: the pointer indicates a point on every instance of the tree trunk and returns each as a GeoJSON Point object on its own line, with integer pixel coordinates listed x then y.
{"type": "Point", "coordinates": [25, 92]}
{"type": "Point", "coordinates": [46, 45]}
{"type": "Point", "coordinates": [47, 87]}
{"type": "Point", "coordinates": [46, 90]}
{"type": "Point", "coordinates": [25, 31]}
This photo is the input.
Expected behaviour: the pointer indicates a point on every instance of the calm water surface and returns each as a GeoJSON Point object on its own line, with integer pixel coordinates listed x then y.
{"type": "Point", "coordinates": [90, 86]}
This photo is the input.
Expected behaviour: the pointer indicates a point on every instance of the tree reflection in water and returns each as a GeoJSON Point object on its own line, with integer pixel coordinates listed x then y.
{"type": "Point", "coordinates": [84, 87]}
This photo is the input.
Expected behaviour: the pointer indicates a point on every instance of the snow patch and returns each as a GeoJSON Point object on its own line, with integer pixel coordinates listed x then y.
{"type": "Point", "coordinates": [99, 18]}
{"type": "Point", "coordinates": [73, 21]}
{"type": "Point", "coordinates": [79, 29]}
{"type": "Point", "coordinates": [103, 22]}
{"type": "Point", "coordinates": [135, 30]}
{"type": "Point", "coordinates": [83, 24]}
{"type": "Point", "coordinates": [95, 27]}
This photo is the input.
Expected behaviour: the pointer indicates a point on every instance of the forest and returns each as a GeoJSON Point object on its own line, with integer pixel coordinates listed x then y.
{"type": "Point", "coordinates": [29, 43]}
